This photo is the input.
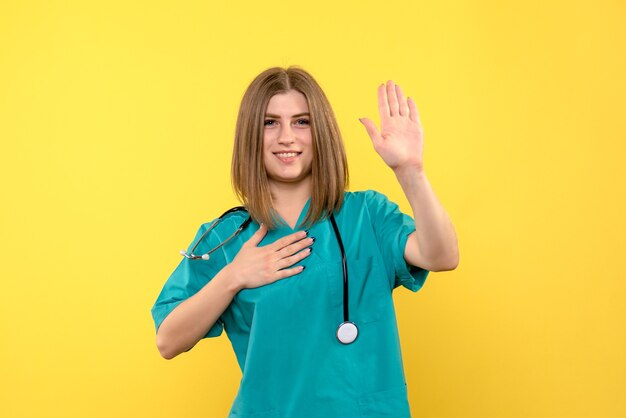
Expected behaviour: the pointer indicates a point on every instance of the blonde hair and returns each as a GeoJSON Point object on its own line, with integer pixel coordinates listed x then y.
{"type": "Point", "coordinates": [329, 169]}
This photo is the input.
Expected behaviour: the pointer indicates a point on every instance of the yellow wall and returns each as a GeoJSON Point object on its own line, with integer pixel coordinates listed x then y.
{"type": "Point", "coordinates": [116, 126]}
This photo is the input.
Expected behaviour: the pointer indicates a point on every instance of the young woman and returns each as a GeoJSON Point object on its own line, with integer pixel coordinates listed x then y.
{"type": "Point", "coordinates": [304, 291]}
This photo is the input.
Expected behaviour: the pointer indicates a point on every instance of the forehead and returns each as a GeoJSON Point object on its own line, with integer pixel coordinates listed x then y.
{"type": "Point", "coordinates": [291, 101]}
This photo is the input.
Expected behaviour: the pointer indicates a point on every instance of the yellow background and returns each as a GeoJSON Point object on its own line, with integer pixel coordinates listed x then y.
{"type": "Point", "coordinates": [116, 127]}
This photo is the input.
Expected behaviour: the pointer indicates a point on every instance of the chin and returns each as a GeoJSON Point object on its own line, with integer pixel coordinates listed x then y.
{"type": "Point", "coordinates": [295, 178]}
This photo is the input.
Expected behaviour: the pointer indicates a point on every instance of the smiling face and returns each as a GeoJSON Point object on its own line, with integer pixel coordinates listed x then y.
{"type": "Point", "coordinates": [264, 181]}
{"type": "Point", "coordinates": [287, 139]}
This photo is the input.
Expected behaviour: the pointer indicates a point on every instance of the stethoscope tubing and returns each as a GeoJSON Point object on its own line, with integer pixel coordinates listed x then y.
{"type": "Point", "coordinates": [192, 256]}
{"type": "Point", "coordinates": [344, 264]}
{"type": "Point", "coordinates": [347, 331]}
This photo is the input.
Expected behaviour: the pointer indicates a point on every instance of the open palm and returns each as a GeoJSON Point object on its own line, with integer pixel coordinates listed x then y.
{"type": "Point", "coordinates": [400, 141]}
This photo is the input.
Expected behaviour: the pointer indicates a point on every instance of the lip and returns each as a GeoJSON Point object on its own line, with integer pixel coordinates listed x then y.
{"type": "Point", "coordinates": [287, 160]}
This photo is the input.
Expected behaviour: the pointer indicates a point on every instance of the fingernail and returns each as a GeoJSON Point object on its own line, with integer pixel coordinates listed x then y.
{"type": "Point", "coordinates": [310, 249]}
{"type": "Point", "coordinates": [302, 268]}
{"type": "Point", "coordinates": [306, 231]}
{"type": "Point", "coordinates": [313, 240]}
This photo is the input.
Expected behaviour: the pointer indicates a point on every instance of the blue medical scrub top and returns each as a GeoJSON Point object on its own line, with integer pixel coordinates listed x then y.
{"type": "Point", "coordinates": [284, 333]}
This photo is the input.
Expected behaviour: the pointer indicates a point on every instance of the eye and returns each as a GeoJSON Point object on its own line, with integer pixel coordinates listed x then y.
{"type": "Point", "coordinates": [302, 121]}
{"type": "Point", "coordinates": [269, 122]}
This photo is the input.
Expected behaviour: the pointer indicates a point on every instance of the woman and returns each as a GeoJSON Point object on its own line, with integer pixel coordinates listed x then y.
{"type": "Point", "coordinates": [278, 290]}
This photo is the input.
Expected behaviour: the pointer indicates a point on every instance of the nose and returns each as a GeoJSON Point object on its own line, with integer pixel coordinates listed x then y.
{"type": "Point", "coordinates": [286, 135]}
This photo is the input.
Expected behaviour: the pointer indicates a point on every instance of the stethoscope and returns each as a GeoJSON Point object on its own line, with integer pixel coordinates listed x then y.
{"type": "Point", "coordinates": [347, 331]}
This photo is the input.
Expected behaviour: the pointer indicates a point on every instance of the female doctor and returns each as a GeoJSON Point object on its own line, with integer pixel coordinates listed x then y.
{"type": "Point", "coordinates": [304, 291]}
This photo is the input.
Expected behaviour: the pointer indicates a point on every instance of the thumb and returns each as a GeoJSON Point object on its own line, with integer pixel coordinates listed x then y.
{"type": "Point", "coordinates": [258, 236]}
{"type": "Point", "coordinates": [372, 131]}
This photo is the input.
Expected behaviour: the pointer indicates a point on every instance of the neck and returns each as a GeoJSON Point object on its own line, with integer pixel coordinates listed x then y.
{"type": "Point", "coordinates": [290, 194]}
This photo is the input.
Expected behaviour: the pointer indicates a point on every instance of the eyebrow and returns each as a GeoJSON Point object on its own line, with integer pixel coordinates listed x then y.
{"type": "Point", "coordinates": [294, 116]}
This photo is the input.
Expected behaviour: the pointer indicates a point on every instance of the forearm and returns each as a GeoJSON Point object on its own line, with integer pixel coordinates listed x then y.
{"type": "Point", "coordinates": [435, 235]}
{"type": "Point", "coordinates": [192, 319]}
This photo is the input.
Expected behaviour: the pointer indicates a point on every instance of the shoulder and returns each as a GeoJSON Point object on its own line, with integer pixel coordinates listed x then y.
{"type": "Point", "coordinates": [365, 198]}
{"type": "Point", "coordinates": [371, 203]}
{"type": "Point", "coordinates": [236, 215]}
{"type": "Point", "coordinates": [223, 226]}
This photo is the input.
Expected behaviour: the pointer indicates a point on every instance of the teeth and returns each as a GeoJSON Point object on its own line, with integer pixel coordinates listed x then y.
{"type": "Point", "coordinates": [287, 154]}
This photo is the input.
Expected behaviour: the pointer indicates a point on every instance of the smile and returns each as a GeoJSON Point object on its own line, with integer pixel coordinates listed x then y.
{"type": "Point", "coordinates": [287, 157]}
{"type": "Point", "coordinates": [286, 154]}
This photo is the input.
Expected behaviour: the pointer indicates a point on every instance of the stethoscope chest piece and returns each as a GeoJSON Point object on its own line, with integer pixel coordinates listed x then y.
{"type": "Point", "coordinates": [347, 332]}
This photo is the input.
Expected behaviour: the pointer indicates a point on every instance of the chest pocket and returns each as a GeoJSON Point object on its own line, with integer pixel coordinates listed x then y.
{"type": "Point", "coordinates": [369, 291]}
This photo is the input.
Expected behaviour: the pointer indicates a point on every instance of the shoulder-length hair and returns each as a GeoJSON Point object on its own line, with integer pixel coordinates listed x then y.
{"type": "Point", "coordinates": [329, 166]}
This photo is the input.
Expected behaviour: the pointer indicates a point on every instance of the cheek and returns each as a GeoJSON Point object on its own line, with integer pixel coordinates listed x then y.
{"type": "Point", "coordinates": [265, 153]}
{"type": "Point", "coordinates": [307, 141]}
{"type": "Point", "coordinates": [266, 141]}
{"type": "Point", "coordinates": [267, 158]}
{"type": "Point", "coordinates": [309, 145]}
{"type": "Point", "coordinates": [266, 147]}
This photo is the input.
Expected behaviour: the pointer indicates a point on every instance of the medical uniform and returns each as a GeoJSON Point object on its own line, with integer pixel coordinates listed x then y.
{"type": "Point", "coordinates": [284, 333]}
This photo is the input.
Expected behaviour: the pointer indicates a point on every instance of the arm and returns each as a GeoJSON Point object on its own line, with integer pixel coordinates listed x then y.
{"type": "Point", "coordinates": [433, 245]}
{"type": "Point", "coordinates": [253, 266]}
{"type": "Point", "coordinates": [193, 318]}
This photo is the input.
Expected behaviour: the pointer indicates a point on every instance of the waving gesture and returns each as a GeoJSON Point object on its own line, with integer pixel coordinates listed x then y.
{"type": "Point", "coordinates": [400, 141]}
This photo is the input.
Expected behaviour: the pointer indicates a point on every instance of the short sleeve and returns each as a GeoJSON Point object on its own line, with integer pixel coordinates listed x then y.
{"type": "Point", "coordinates": [392, 229]}
{"type": "Point", "coordinates": [188, 278]}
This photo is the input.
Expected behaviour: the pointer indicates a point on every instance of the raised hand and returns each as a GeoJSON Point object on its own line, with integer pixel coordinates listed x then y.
{"type": "Point", "coordinates": [256, 266]}
{"type": "Point", "coordinates": [400, 141]}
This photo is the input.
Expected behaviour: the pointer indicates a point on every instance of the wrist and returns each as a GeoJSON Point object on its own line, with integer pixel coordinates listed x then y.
{"type": "Point", "coordinates": [231, 281]}
{"type": "Point", "coordinates": [410, 172]}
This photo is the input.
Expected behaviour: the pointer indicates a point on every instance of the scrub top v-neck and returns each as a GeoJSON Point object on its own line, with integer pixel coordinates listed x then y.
{"type": "Point", "coordinates": [284, 333]}
{"type": "Point", "coordinates": [300, 218]}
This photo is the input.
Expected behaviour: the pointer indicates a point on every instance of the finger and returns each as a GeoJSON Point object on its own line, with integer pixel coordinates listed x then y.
{"type": "Point", "coordinates": [402, 104]}
{"type": "Point", "coordinates": [294, 248]}
{"type": "Point", "coordinates": [392, 98]}
{"type": "Point", "coordinates": [281, 274]}
{"type": "Point", "coordinates": [383, 105]}
{"type": "Point", "coordinates": [372, 131]}
{"type": "Point", "coordinates": [290, 261]}
{"type": "Point", "coordinates": [289, 239]}
{"type": "Point", "coordinates": [258, 236]}
{"type": "Point", "coordinates": [414, 114]}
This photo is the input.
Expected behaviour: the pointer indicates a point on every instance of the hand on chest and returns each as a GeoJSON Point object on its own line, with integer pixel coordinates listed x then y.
{"type": "Point", "coordinates": [317, 292]}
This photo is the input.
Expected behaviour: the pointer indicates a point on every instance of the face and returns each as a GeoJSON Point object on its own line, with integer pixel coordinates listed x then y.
{"type": "Point", "coordinates": [287, 139]}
